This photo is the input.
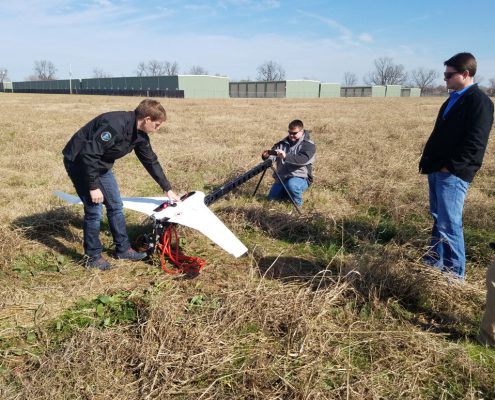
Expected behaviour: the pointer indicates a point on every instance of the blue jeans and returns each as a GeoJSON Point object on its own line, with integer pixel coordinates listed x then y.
{"type": "Point", "coordinates": [295, 186]}
{"type": "Point", "coordinates": [447, 194]}
{"type": "Point", "coordinates": [93, 212]}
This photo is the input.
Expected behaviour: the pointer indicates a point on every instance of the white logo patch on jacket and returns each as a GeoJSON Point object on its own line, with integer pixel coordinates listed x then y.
{"type": "Point", "coordinates": [106, 136]}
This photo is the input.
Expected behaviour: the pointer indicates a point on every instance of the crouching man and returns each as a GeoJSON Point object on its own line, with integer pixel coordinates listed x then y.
{"type": "Point", "coordinates": [89, 157]}
{"type": "Point", "coordinates": [294, 155]}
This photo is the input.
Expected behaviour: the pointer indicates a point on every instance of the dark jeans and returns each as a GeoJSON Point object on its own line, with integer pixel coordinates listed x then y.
{"type": "Point", "coordinates": [93, 212]}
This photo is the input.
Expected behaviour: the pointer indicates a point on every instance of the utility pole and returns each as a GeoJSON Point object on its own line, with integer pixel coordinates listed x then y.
{"type": "Point", "coordinates": [70, 79]}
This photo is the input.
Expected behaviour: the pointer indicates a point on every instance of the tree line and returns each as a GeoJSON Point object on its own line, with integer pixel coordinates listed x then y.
{"type": "Point", "coordinates": [384, 72]}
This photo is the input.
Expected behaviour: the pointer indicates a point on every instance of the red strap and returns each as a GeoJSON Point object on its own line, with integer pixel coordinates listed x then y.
{"type": "Point", "coordinates": [182, 263]}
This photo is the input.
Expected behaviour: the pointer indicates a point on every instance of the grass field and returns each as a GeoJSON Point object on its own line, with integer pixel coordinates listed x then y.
{"type": "Point", "coordinates": [333, 304]}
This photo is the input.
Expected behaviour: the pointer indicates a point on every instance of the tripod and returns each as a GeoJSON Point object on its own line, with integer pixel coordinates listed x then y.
{"type": "Point", "coordinates": [283, 185]}
{"type": "Point", "coordinates": [231, 185]}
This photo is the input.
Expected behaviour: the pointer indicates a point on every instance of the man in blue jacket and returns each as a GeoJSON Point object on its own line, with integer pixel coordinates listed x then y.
{"type": "Point", "coordinates": [89, 157]}
{"type": "Point", "coordinates": [451, 157]}
{"type": "Point", "coordinates": [294, 155]}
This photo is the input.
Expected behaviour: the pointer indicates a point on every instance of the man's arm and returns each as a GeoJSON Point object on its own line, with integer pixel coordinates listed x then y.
{"type": "Point", "coordinates": [148, 158]}
{"type": "Point", "coordinates": [303, 156]}
{"type": "Point", "coordinates": [472, 147]}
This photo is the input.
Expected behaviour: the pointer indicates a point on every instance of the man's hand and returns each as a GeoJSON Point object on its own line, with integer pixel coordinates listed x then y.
{"type": "Point", "coordinates": [444, 169]}
{"type": "Point", "coordinates": [281, 154]}
{"type": "Point", "coordinates": [96, 196]}
{"type": "Point", "coordinates": [172, 196]}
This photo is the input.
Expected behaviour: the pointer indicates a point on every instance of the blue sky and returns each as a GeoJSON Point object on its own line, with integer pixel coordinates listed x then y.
{"type": "Point", "coordinates": [312, 39]}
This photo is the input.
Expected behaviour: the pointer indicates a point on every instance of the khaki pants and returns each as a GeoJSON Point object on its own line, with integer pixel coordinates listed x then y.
{"type": "Point", "coordinates": [487, 330]}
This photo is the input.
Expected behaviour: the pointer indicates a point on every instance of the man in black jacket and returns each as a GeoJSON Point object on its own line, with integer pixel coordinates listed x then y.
{"type": "Point", "coordinates": [295, 155]}
{"type": "Point", "coordinates": [88, 158]}
{"type": "Point", "coordinates": [451, 157]}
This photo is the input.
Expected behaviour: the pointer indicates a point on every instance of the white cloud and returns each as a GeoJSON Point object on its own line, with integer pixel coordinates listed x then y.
{"type": "Point", "coordinates": [407, 50]}
{"type": "Point", "coordinates": [365, 38]}
{"type": "Point", "coordinates": [253, 5]}
{"type": "Point", "coordinates": [347, 36]}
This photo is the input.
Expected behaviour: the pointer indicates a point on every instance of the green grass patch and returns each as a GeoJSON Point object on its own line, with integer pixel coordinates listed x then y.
{"type": "Point", "coordinates": [477, 244]}
{"type": "Point", "coordinates": [102, 312]}
{"type": "Point", "coordinates": [376, 225]}
{"type": "Point", "coordinates": [30, 265]}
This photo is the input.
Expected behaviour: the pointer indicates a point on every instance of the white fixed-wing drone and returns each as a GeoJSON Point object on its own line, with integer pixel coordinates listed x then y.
{"type": "Point", "coordinates": [191, 212]}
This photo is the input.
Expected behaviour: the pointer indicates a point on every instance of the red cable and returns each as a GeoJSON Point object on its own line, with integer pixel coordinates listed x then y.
{"type": "Point", "coordinates": [183, 263]}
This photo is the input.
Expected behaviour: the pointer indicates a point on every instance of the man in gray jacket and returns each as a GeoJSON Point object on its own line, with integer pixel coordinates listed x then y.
{"type": "Point", "coordinates": [294, 155]}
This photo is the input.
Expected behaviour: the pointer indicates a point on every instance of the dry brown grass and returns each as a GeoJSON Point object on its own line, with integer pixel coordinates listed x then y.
{"type": "Point", "coordinates": [332, 304]}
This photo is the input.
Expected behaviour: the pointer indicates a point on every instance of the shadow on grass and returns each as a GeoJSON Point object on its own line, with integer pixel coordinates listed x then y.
{"type": "Point", "coordinates": [419, 295]}
{"type": "Point", "coordinates": [320, 229]}
{"type": "Point", "coordinates": [422, 296]}
{"type": "Point", "coordinates": [55, 228]}
{"type": "Point", "coordinates": [52, 228]}
{"type": "Point", "coordinates": [298, 270]}
{"type": "Point", "coordinates": [288, 268]}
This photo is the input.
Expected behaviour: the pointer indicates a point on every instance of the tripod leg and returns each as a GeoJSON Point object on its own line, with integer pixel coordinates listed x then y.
{"type": "Point", "coordinates": [259, 182]}
{"type": "Point", "coordinates": [286, 191]}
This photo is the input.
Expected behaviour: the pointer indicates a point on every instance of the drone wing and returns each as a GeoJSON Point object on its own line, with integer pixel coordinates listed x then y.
{"type": "Point", "coordinates": [68, 198]}
{"type": "Point", "coordinates": [145, 205]}
{"type": "Point", "coordinates": [191, 212]}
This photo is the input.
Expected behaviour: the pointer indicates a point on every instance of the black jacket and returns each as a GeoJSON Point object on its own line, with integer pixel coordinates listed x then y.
{"type": "Point", "coordinates": [458, 142]}
{"type": "Point", "coordinates": [108, 137]}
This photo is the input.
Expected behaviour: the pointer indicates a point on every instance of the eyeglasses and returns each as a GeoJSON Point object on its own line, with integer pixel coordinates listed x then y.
{"type": "Point", "coordinates": [294, 133]}
{"type": "Point", "coordinates": [449, 75]}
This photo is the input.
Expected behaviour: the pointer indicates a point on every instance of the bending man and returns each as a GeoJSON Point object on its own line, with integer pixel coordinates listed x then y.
{"type": "Point", "coordinates": [89, 157]}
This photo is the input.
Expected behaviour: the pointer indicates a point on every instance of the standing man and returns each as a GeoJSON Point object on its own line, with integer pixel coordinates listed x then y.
{"type": "Point", "coordinates": [451, 157]}
{"type": "Point", "coordinates": [295, 155]}
{"type": "Point", "coordinates": [88, 158]}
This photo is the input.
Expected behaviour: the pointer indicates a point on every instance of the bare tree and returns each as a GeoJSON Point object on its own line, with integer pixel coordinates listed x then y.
{"type": "Point", "coordinates": [424, 78]}
{"type": "Point", "coordinates": [141, 69]}
{"type": "Point", "coordinates": [270, 71]}
{"type": "Point", "coordinates": [386, 73]}
{"type": "Point", "coordinates": [44, 70]}
{"type": "Point", "coordinates": [198, 70]}
{"type": "Point", "coordinates": [99, 73]}
{"type": "Point", "coordinates": [156, 68]}
{"type": "Point", "coordinates": [350, 79]}
{"type": "Point", "coordinates": [3, 74]}
{"type": "Point", "coordinates": [171, 68]}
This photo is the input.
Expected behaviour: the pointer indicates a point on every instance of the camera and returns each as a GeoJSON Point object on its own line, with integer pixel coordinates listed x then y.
{"type": "Point", "coordinates": [272, 153]}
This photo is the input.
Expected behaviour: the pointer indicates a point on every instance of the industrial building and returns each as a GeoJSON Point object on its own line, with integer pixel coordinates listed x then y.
{"type": "Point", "coordinates": [187, 86]}
{"type": "Point", "coordinates": [205, 87]}
{"type": "Point", "coordinates": [329, 89]}
{"type": "Point", "coordinates": [363, 91]}
{"type": "Point", "coordinates": [273, 89]}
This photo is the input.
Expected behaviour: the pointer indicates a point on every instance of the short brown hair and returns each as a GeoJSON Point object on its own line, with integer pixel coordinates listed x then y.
{"type": "Point", "coordinates": [462, 62]}
{"type": "Point", "coordinates": [151, 108]}
{"type": "Point", "coordinates": [297, 123]}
